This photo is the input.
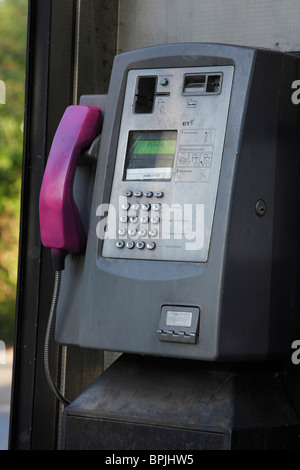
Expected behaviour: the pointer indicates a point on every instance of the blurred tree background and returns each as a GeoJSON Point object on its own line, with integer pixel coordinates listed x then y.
{"type": "Point", "coordinates": [13, 33]}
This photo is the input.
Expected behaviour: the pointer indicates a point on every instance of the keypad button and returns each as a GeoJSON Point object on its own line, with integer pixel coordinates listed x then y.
{"type": "Point", "coordinates": [142, 232]}
{"type": "Point", "coordinates": [125, 206]}
{"type": "Point", "coordinates": [123, 218]}
{"type": "Point", "coordinates": [127, 193]}
{"type": "Point", "coordinates": [148, 194]}
{"type": "Point", "coordinates": [120, 244]}
{"type": "Point", "coordinates": [140, 245]}
{"type": "Point", "coordinates": [146, 207]}
{"type": "Point", "coordinates": [144, 219]}
{"type": "Point", "coordinates": [156, 207]}
{"type": "Point", "coordinates": [134, 219]}
{"type": "Point", "coordinates": [154, 220]}
{"type": "Point", "coordinates": [158, 194]}
{"type": "Point", "coordinates": [130, 245]}
{"type": "Point", "coordinates": [151, 245]}
{"type": "Point", "coordinates": [135, 206]}
{"type": "Point", "coordinates": [153, 233]}
{"type": "Point", "coordinates": [137, 193]}
{"type": "Point", "coordinates": [132, 232]}
{"type": "Point", "coordinates": [122, 232]}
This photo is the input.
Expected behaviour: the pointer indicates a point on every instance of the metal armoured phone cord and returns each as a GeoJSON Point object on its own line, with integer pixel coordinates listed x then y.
{"type": "Point", "coordinates": [51, 322]}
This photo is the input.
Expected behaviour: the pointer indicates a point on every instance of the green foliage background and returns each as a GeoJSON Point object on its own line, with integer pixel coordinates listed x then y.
{"type": "Point", "coordinates": [13, 33]}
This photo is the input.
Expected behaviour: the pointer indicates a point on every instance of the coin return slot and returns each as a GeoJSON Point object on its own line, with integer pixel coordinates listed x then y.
{"type": "Point", "coordinates": [179, 324]}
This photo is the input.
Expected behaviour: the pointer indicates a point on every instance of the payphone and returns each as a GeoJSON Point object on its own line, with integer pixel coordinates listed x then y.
{"type": "Point", "coordinates": [171, 207]}
{"type": "Point", "coordinates": [192, 223]}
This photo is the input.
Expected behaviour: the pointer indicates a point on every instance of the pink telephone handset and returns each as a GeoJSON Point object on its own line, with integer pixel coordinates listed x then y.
{"type": "Point", "coordinates": [60, 223]}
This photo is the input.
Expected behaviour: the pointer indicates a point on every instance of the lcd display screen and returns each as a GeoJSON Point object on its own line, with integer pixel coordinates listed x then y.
{"type": "Point", "coordinates": [150, 155]}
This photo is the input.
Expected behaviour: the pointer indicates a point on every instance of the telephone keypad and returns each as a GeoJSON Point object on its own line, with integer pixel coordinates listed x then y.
{"type": "Point", "coordinates": [140, 215]}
